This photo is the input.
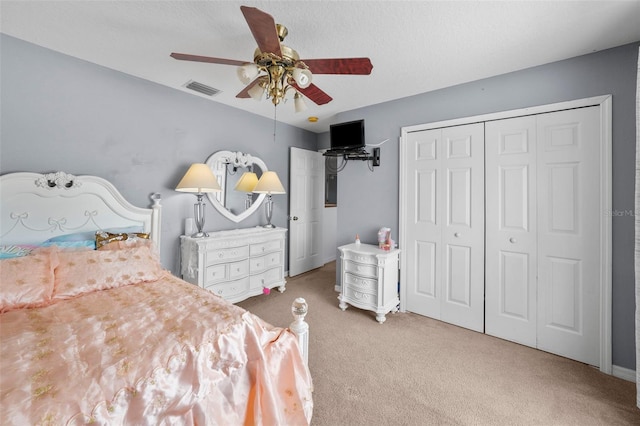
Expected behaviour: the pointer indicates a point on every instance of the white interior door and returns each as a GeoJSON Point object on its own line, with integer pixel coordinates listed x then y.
{"type": "Point", "coordinates": [511, 243]}
{"type": "Point", "coordinates": [569, 243]}
{"type": "Point", "coordinates": [306, 206]}
{"type": "Point", "coordinates": [445, 244]}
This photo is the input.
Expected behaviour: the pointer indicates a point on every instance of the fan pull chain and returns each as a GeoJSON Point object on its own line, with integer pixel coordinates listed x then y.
{"type": "Point", "coordinates": [275, 113]}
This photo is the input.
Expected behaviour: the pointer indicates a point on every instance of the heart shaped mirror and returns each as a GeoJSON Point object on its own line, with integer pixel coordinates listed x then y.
{"type": "Point", "coordinates": [233, 202]}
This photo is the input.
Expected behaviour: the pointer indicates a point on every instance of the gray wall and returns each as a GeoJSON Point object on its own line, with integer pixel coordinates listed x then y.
{"type": "Point", "coordinates": [369, 200]}
{"type": "Point", "coordinates": [61, 113]}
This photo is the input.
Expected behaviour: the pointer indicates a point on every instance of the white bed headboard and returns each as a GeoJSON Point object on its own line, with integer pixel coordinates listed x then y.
{"type": "Point", "coordinates": [35, 207]}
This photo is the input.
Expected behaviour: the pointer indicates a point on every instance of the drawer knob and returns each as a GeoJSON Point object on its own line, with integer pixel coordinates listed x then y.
{"type": "Point", "coordinates": [457, 234]}
{"type": "Point", "coordinates": [512, 240]}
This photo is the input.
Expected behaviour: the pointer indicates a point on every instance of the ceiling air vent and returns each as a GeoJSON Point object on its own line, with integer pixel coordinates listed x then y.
{"type": "Point", "coordinates": [201, 88]}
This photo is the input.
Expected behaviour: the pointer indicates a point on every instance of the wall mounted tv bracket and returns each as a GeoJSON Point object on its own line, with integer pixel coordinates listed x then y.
{"type": "Point", "coordinates": [364, 156]}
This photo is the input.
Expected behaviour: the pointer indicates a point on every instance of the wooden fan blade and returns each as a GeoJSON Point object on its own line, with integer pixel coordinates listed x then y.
{"type": "Point", "coordinates": [359, 66]}
{"type": "Point", "coordinates": [196, 58]}
{"type": "Point", "coordinates": [244, 93]}
{"type": "Point", "coordinates": [263, 28]}
{"type": "Point", "coordinates": [315, 94]}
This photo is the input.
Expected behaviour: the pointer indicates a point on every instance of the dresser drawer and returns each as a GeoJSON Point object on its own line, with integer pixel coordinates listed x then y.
{"type": "Point", "coordinates": [215, 273]}
{"type": "Point", "coordinates": [266, 247]}
{"type": "Point", "coordinates": [361, 257]}
{"type": "Point", "coordinates": [230, 289]}
{"type": "Point", "coordinates": [369, 285]}
{"type": "Point", "coordinates": [228, 254]}
{"type": "Point", "coordinates": [265, 279]}
{"type": "Point", "coordinates": [238, 269]}
{"type": "Point", "coordinates": [225, 272]}
{"type": "Point", "coordinates": [361, 269]}
{"type": "Point", "coordinates": [259, 264]}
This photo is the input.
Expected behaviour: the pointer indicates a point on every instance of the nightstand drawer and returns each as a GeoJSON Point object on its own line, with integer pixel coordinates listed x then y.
{"type": "Point", "coordinates": [259, 264]}
{"type": "Point", "coordinates": [266, 247]}
{"type": "Point", "coordinates": [230, 289]}
{"type": "Point", "coordinates": [266, 278]}
{"type": "Point", "coordinates": [226, 255]}
{"type": "Point", "coordinates": [360, 299]}
{"type": "Point", "coordinates": [361, 258]}
{"type": "Point", "coordinates": [361, 269]}
{"type": "Point", "coordinates": [369, 285]}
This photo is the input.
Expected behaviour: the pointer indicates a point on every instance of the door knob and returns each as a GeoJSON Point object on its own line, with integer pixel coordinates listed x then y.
{"type": "Point", "coordinates": [457, 234]}
{"type": "Point", "coordinates": [512, 240]}
{"type": "Point", "coordinates": [293, 217]}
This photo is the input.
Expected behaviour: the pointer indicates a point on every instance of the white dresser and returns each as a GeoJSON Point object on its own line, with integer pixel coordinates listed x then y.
{"type": "Point", "coordinates": [235, 264]}
{"type": "Point", "coordinates": [369, 278]}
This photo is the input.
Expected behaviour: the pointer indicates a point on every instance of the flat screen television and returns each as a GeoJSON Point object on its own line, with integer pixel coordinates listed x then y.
{"type": "Point", "coordinates": [347, 136]}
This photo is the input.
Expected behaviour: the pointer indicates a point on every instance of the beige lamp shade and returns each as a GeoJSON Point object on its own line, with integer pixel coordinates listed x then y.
{"type": "Point", "coordinates": [247, 182]}
{"type": "Point", "coordinates": [269, 183]}
{"type": "Point", "coordinates": [199, 178]}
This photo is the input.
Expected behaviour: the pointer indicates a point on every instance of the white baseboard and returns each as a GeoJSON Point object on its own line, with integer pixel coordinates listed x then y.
{"type": "Point", "coordinates": [623, 373]}
{"type": "Point", "coordinates": [329, 259]}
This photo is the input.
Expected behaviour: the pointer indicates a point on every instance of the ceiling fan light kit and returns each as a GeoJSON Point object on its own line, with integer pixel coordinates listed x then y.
{"type": "Point", "coordinates": [277, 69]}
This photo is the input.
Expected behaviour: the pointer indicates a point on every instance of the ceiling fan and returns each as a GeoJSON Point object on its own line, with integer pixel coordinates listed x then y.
{"type": "Point", "coordinates": [277, 69]}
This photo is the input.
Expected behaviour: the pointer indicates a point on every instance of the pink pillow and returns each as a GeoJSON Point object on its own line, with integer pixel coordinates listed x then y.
{"type": "Point", "coordinates": [28, 281]}
{"type": "Point", "coordinates": [87, 271]}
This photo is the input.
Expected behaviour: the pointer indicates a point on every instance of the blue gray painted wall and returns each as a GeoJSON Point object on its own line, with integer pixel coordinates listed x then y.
{"type": "Point", "coordinates": [61, 113]}
{"type": "Point", "coordinates": [369, 200]}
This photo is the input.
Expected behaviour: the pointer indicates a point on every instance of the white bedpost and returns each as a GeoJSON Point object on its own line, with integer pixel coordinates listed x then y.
{"type": "Point", "coordinates": [299, 327]}
{"type": "Point", "coordinates": [155, 219]}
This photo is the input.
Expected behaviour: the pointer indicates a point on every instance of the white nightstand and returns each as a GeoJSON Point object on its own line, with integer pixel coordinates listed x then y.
{"type": "Point", "coordinates": [369, 279]}
{"type": "Point", "coordinates": [235, 264]}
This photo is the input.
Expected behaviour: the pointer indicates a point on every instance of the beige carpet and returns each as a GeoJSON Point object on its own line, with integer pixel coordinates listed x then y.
{"type": "Point", "coordinates": [413, 370]}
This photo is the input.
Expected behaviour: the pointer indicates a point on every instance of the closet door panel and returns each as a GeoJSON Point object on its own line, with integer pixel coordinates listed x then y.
{"type": "Point", "coordinates": [511, 263]}
{"type": "Point", "coordinates": [569, 234]}
{"type": "Point", "coordinates": [463, 233]}
{"type": "Point", "coordinates": [424, 224]}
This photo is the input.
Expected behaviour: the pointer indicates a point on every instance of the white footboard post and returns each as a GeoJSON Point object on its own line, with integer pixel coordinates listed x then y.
{"type": "Point", "coordinates": [299, 327]}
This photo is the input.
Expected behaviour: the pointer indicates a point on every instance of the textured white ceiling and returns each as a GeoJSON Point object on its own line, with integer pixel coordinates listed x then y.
{"type": "Point", "coordinates": [415, 46]}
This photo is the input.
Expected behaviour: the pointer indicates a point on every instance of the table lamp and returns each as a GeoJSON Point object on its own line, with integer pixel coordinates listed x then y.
{"type": "Point", "coordinates": [269, 183]}
{"type": "Point", "coordinates": [199, 180]}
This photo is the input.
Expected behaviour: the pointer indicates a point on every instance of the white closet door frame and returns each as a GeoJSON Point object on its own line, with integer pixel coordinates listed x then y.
{"type": "Point", "coordinates": [604, 102]}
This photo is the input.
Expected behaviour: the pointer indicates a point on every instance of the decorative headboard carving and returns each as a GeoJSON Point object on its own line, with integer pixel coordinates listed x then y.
{"type": "Point", "coordinates": [36, 207]}
{"type": "Point", "coordinates": [58, 180]}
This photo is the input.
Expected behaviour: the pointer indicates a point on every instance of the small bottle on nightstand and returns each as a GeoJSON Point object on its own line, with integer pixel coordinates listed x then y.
{"type": "Point", "coordinates": [357, 239]}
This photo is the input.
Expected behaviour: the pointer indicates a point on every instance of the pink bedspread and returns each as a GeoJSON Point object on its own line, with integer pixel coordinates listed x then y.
{"type": "Point", "coordinates": [162, 352]}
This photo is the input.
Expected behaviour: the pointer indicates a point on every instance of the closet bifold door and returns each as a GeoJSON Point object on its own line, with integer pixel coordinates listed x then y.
{"type": "Point", "coordinates": [511, 249]}
{"type": "Point", "coordinates": [543, 242]}
{"type": "Point", "coordinates": [445, 224]}
{"type": "Point", "coordinates": [569, 239]}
